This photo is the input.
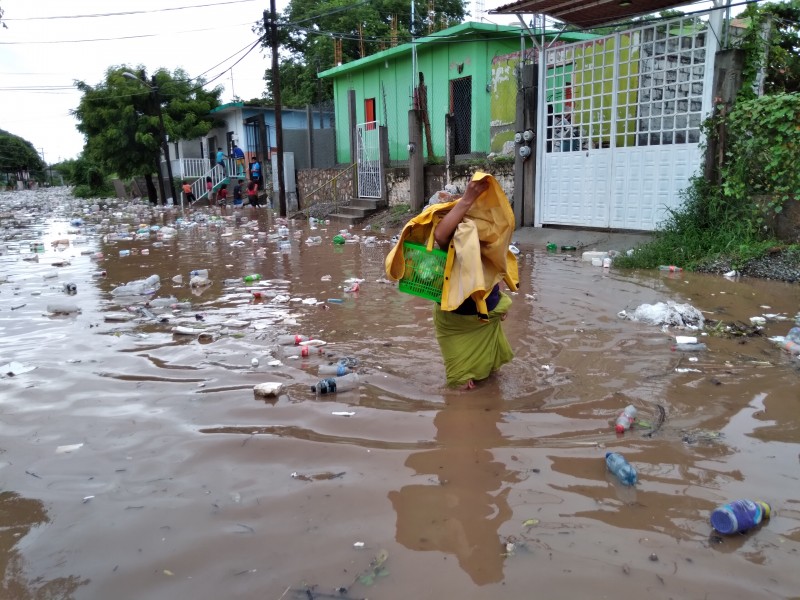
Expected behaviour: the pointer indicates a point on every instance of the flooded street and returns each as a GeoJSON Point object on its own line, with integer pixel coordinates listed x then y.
{"type": "Point", "coordinates": [138, 463]}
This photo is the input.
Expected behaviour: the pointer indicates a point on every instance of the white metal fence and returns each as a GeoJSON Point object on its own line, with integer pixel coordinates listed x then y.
{"type": "Point", "coordinates": [369, 160]}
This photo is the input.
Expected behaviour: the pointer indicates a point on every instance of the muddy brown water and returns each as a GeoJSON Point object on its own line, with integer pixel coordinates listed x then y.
{"type": "Point", "coordinates": [135, 463]}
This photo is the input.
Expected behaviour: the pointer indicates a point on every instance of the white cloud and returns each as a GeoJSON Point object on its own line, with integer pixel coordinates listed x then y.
{"type": "Point", "coordinates": [194, 39]}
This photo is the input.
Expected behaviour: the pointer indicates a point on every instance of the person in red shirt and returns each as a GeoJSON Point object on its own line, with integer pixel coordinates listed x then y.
{"type": "Point", "coordinates": [252, 193]}
{"type": "Point", "coordinates": [222, 195]}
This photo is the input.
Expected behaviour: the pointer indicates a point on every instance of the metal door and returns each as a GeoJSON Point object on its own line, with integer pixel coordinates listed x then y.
{"type": "Point", "coordinates": [368, 157]}
{"type": "Point", "coordinates": [620, 129]}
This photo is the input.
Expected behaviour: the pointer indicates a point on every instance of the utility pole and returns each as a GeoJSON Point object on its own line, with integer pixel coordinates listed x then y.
{"type": "Point", "coordinates": [164, 144]}
{"type": "Point", "coordinates": [271, 26]}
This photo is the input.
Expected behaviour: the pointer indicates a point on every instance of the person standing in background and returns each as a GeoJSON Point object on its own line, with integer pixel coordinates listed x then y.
{"type": "Point", "coordinates": [238, 156]}
{"type": "Point", "coordinates": [252, 193]}
{"type": "Point", "coordinates": [188, 196]}
{"type": "Point", "coordinates": [237, 193]}
{"type": "Point", "coordinates": [221, 161]}
{"type": "Point", "coordinates": [210, 190]}
{"type": "Point", "coordinates": [255, 171]}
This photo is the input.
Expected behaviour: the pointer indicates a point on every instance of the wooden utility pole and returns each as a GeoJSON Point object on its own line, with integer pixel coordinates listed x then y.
{"type": "Point", "coordinates": [271, 27]}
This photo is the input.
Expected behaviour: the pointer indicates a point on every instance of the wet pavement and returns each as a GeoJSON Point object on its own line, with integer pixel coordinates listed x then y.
{"type": "Point", "coordinates": [138, 463]}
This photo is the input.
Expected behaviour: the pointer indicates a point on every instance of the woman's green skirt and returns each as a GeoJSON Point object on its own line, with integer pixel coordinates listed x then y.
{"type": "Point", "coordinates": [472, 348]}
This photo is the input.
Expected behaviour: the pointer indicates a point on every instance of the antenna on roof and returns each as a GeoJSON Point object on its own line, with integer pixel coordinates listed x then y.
{"type": "Point", "coordinates": [479, 10]}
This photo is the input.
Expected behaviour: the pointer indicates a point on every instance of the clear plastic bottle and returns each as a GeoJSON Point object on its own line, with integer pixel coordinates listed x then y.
{"type": "Point", "coordinates": [331, 385]}
{"type": "Point", "coordinates": [336, 370]}
{"type": "Point", "coordinates": [253, 277]}
{"type": "Point", "coordinates": [621, 468]}
{"type": "Point", "coordinates": [793, 335]}
{"type": "Point", "coordinates": [302, 351]}
{"type": "Point", "coordinates": [162, 302]}
{"type": "Point", "coordinates": [739, 515]}
{"type": "Point", "coordinates": [626, 419]}
{"type": "Point", "coordinates": [292, 340]}
{"type": "Point", "coordinates": [697, 347]}
{"type": "Point", "coordinates": [62, 308]}
{"type": "Point", "coordinates": [790, 346]}
{"type": "Point", "coordinates": [70, 288]}
{"type": "Point", "coordinates": [670, 268]}
{"type": "Point", "coordinates": [199, 273]}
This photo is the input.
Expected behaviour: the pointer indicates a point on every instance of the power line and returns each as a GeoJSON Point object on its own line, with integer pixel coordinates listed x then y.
{"type": "Point", "coordinates": [126, 37]}
{"type": "Point", "coordinates": [126, 13]}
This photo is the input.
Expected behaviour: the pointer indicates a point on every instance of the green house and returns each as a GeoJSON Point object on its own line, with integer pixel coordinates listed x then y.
{"type": "Point", "coordinates": [456, 67]}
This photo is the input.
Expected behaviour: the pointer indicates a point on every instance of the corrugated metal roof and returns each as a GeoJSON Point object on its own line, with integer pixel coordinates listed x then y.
{"type": "Point", "coordinates": [586, 14]}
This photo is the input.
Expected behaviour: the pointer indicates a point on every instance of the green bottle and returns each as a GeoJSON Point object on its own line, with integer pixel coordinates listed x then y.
{"type": "Point", "coordinates": [253, 277]}
{"type": "Point", "coordinates": [551, 247]}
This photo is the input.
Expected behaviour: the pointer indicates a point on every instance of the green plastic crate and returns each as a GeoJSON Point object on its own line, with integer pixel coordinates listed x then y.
{"type": "Point", "coordinates": [424, 272]}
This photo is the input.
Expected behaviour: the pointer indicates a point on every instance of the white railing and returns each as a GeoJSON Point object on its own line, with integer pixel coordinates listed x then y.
{"type": "Point", "coordinates": [189, 168]}
{"type": "Point", "coordinates": [199, 187]}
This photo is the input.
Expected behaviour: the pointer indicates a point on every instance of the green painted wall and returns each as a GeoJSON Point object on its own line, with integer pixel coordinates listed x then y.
{"type": "Point", "coordinates": [390, 82]}
{"type": "Point", "coordinates": [503, 108]}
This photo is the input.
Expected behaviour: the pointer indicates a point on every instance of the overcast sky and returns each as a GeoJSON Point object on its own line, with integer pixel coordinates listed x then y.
{"type": "Point", "coordinates": [41, 55]}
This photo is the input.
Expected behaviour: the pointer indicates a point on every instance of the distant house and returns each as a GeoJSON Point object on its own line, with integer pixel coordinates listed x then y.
{"type": "Point", "coordinates": [454, 66]}
{"type": "Point", "coordinates": [252, 128]}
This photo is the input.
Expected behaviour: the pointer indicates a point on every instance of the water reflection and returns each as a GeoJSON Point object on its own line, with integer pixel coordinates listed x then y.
{"type": "Point", "coordinates": [18, 516]}
{"type": "Point", "coordinates": [464, 502]}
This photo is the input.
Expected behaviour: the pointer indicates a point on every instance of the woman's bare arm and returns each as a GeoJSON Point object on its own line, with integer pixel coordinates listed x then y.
{"type": "Point", "coordinates": [447, 226]}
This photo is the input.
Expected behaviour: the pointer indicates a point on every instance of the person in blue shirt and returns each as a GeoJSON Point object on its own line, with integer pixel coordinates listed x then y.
{"type": "Point", "coordinates": [238, 156]}
{"type": "Point", "coordinates": [221, 160]}
{"type": "Point", "coordinates": [255, 171]}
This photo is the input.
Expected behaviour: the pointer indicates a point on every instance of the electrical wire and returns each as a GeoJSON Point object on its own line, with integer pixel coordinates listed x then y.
{"type": "Point", "coordinates": [127, 13]}
{"type": "Point", "coordinates": [114, 39]}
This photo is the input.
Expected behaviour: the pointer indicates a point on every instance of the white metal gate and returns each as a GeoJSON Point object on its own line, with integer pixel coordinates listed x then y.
{"type": "Point", "coordinates": [620, 130]}
{"type": "Point", "coordinates": [369, 160]}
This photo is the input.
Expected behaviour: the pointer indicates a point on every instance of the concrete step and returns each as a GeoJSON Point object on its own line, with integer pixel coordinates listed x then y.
{"type": "Point", "coordinates": [370, 203]}
{"type": "Point", "coordinates": [345, 218]}
{"type": "Point", "coordinates": [356, 211]}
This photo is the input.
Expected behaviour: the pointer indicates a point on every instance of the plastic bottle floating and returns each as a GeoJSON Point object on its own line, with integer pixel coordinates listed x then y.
{"type": "Point", "coordinates": [331, 385]}
{"type": "Point", "coordinates": [625, 419]}
{"type": "Point", "coordinates": [739, 515]}
{"type": "Point", "coordinates": [621, 468]}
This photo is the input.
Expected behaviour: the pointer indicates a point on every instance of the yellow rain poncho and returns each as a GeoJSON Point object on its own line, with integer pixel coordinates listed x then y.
{"type": "Point", "coordinates": [478, 258]}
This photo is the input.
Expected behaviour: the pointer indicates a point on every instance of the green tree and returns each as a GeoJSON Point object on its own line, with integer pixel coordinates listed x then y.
{"type": "Point", "coordinates": [308, 29]}
{"type": "Point", "coordinates": [783, 46]}
{"type": "Point", "coordinates": [18, 156]}
{"type": "Point", "coordinates": [119, 118]}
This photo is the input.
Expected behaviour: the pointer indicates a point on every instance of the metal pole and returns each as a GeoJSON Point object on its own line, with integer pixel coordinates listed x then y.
{"type": "Point", "coordinates": [164, 144]}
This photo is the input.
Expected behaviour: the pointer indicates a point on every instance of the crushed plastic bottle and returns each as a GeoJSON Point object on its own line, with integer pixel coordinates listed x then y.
{"type": "Point", "coordinates": [626, 419]}
{"type": "Point", "coordinates": [336, 370]}
{"type": "Point", "coordinates": [252, 277]}
{"type": "Point", "coordinates": [291, 340]}
{"type": "Point", "coordinates": [62, 308]}
{"type": "Point", "coordinates": [302, 351]}
{"type": "Point", "coordinates": [621, 468]}
{"type": "Point", "coordinates": [695, 347]}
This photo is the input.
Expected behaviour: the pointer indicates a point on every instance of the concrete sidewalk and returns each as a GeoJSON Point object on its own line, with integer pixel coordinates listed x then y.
{"type": "Point", "coordinates": [582, 239]}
